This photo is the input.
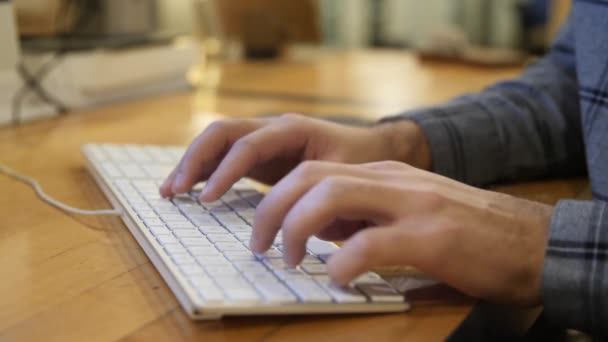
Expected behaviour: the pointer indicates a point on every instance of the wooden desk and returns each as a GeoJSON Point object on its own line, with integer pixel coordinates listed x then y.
{"type": "Point", "coordinates": [75, 278]}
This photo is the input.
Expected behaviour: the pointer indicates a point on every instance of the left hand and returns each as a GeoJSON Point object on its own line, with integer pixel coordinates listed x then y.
{"type": "Point", "coordinates": [486, 244]}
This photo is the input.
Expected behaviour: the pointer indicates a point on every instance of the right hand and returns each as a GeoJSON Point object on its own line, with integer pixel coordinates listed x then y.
{"type": "Point", "coordinates": [268, 149]}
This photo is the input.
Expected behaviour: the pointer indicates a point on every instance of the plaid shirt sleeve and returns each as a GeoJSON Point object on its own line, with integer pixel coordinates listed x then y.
{"type": "Point", "coordinates": [527, 128]}
{"type": "Point", "coordinates": [575, 276]}
{"type": "Point", "coordinates": [517, 129]}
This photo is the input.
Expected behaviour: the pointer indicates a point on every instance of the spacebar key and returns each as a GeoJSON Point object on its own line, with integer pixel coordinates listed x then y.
{"type": "Point", "coordinates": [308, 291]}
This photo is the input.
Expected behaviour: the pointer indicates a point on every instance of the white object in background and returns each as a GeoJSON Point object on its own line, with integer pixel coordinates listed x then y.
{"type": "Point", "coordinates": [176, 16]}
{"type": "Point", "coordinates": [8, 37]}
{"type": "Point", "coordinates": [503, 23]}
{"type": "Point", "coordinates": [31, 108]}
{"type": "Point", "coordinates": [346, 23]}
{"type": "Point", "coordinates": [10, 82]}
{"type": "Point", "coordinates": [414, 22]}
{"type": "Point", "coordinates": [98, 77]}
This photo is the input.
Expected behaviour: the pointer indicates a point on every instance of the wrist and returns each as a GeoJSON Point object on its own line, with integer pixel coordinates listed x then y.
{"type": "Point", "coordinates": [406, 142]}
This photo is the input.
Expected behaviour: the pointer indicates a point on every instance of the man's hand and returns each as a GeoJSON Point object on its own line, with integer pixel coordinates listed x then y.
{"type": "Point", "coordinates": [485, 244]}
{"type": "Point", "coordinates": [267, 149]}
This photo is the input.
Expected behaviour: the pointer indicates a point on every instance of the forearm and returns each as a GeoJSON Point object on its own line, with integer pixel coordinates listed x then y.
{"type": "Point", "coordinates": [519, 129]}
{"type": "Point", "coordinates": [575, 276]}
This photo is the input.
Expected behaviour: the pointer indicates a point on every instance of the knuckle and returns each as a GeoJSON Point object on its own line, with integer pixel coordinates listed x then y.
{"type": "Point", "coordinates": [334, 186]}
{"type": "Point", "coordinates": [393, 165]}
{"type": "Point", "coordinates": [219, 126]}
{"type": "Point", "coordinates": [388, 165]}
{"type": "Point", "coordinates": [307, 168]}
{"type": "Point", "coordinates": [291, 117]}
{"type": "Point", "coordinates": [431, 197]}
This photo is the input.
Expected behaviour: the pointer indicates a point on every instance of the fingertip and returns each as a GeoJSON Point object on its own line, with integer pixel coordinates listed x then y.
{"type": "Point", "coordinates": [206, 194]}
{"type": "Point", "coordinates": [337, 272]}
{"type": "Point", "coordinates": [177, 184]}
{"type": "Point", "coordinates": [293, 257]}
{"type": "Point", "coordinates": [256, 246]}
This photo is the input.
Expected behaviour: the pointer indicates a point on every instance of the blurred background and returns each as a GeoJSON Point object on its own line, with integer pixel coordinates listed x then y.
{"type": "Point", "coordinates": [82, 53]}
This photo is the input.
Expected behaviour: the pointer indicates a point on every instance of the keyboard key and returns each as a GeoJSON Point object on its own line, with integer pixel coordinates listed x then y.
{"type": "Point", "coordinates": [217, 206]}
{"type": "Point", "coordinates": [249, 266]}
{"type": "Point", "coordinates": [271, 254]}
{"type": "Point", "coordinates": [191, 269]}
{"type": "Point", "coordinates": [172, 217]}
{"type": "Point", "coordinates": [239, 255]}
{"type": "Point", "coordinates": [138, 154]}
{"type": "Point", "coordinates": [111, 170]}
{"type": "Point", "coordinates": [310, 259]}
{"type": "Point", "coordinates": [227, 219]}
{"type": "Point", "coordinates": [231, 246]}
{"type": "Point", "coordinates": [212, 230]}
{"type": "Point", "coordinates": [183, 259]}
{"type": "Point", "coordinates": [221, 270]}
{"type": "Point", "coordinates": [116, 153]}
{"type": "Point", "coordinates": [256, 276]}
{"type": "Point", "coordinates": [196, 241]}
{"type": "Point", "coordinates": [317, 246]}
{"type": "Point", "coordinates": [146, 214]}
{"type": "Point", "coordinates": [380, 293]}
{"type": "Point", "coordinates": [175, 248]}
{"type": "Point", "coordinates": [368, 278]}
{"type": "Point", "coordinates": [275, 263]}
{"type": "Point", "coordinates": [308, 291]}
{"type": "Point", "coordinates": [159, 230]}
{"type": "Point", "coordinates": [131, 170]}
{"type": "Point", "coordinates": [314, 269]}
{"type": "Point", "coordinates": [238, 228]}
{"type": "Point", "coordinates": [187, 233]}
{"type": "Point", "coordinates": [95, 152]}
{"type": "Point", "coordinates": [159, 154]}
{"type": "Point", "coordinates": [166, 239]}
{"type": "Point", "coordinates": [203, 220]}
{"type": "Point", "coordinates": [346, 294]}
{"type": "Point", "coordinates": [242, 295]}
{"type": "Point", "coordinates": [253, 197]}
{"type": "Point", "coordinates": [202, 250]}
{"type": "Point", "coordinates": [213, 260]}
{"type": "Point", "coordinates": [243, 237]}
{"type": "Point", "coordinates": [290, 273]}
{"type": "Point", "coordinates": [221, 238]}
{"type": "Point", "coordinates": [211, 294]}
{"type": "Point", "coordinates": [275, 292]}
{"type": "Point", "coordinates": [177, 225]}
{"type": "Point", "coordinates": [201, 280]}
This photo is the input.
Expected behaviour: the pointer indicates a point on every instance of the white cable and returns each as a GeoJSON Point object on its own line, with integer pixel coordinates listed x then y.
{"type": "Point", "coordinates": [34, 184]}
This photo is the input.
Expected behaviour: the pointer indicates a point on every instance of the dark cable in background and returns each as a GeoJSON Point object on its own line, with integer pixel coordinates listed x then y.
{"type": "Point", "coordinates": [85, 11]}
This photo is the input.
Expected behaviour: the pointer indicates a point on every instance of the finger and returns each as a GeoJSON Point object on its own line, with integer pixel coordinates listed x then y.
{"type": "Point", "coordinates": [165, 188]}
{"type": "Point", "coordinates": [206, 149]}
{"type": "Point", "coordinates": [376, 247]}
{"type": "Point", "coordinates": [270, 142]}
{"type": "Point", "coordinates": [280, 199]}
{"type": "Point", "coordinates": [335, 198]}
{"type": "Point", "coordinates": [340, 230]}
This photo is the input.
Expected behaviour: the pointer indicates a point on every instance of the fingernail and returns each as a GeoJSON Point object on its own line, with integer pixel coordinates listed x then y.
{"type": "Point", "coordinates": [204, 196]}
{"type": "Point", "coordinates": [178, 183]}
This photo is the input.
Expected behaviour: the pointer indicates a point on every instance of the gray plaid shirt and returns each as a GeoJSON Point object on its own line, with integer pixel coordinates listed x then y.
{"type": "Point", "coordinates": [552, 121]}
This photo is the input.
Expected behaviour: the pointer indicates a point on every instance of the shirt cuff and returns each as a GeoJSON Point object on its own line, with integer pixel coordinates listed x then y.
{"type": "Point", "coordinates": [464, 144]}
{"type": "Point", "coordinates": [575, 274]}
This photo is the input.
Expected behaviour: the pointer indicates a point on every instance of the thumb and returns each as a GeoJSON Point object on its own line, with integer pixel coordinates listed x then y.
{"type": "Point", "coordinates": [375, 247]}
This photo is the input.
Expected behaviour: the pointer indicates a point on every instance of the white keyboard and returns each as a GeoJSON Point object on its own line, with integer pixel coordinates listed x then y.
{"type": "Point", "coordinates": [201, 249]}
